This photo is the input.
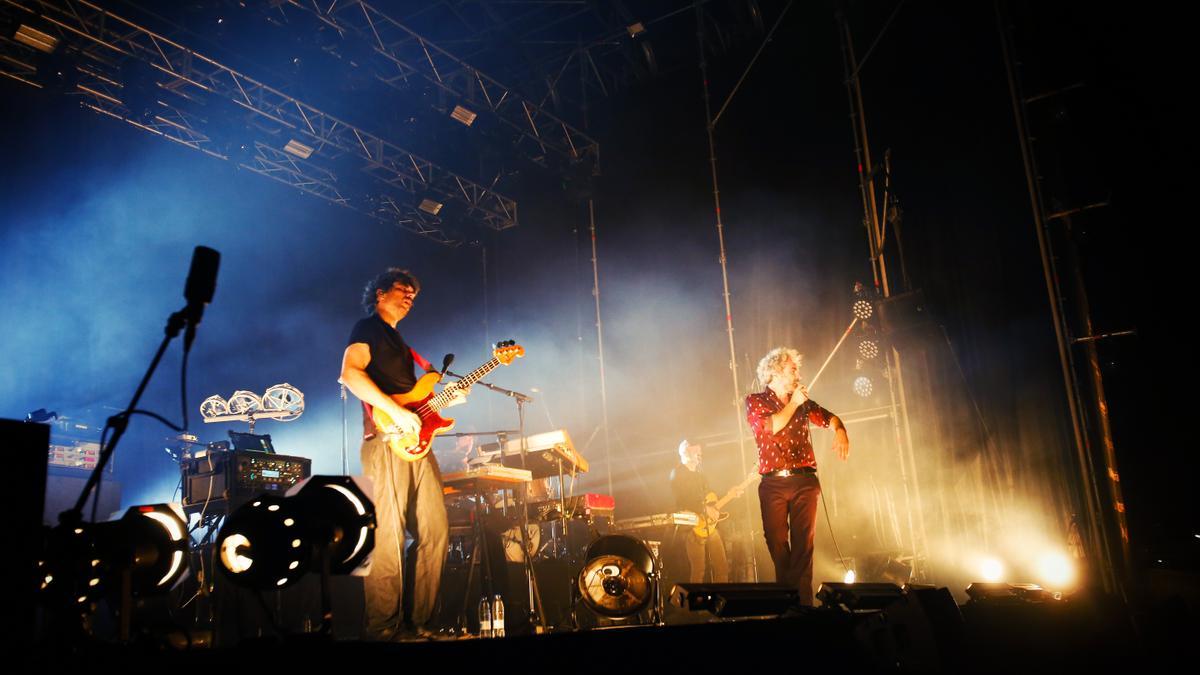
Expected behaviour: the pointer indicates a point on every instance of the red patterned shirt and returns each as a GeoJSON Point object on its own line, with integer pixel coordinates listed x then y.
{"type": "Point", "coordinates": [791, 447]}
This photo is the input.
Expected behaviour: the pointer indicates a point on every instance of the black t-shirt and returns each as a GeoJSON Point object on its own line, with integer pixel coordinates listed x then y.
{"type": "Point", "coordinates": [689, 488]}
{"type": "Point", "coordinates": [391, 367]}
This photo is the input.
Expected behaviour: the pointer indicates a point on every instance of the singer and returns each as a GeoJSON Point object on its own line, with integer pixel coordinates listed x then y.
{"type": "Point", "coordinates": [780, 416]}
{"type": "Point", "coordinates": [408, 495]}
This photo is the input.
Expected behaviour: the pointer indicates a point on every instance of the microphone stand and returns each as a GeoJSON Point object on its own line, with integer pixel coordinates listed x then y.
{"type": "Point", "coordinates": [120, 422]}
{"type": "Point", "coordinates": [537, 622]}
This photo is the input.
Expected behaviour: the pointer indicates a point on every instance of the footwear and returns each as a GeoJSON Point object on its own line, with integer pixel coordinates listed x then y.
{"type": "Point", "coordinates": [423, 633]}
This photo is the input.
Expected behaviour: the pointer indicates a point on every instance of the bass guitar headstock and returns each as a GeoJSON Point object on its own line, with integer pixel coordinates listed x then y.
{"type": "Point", "coordinates": [507, 351]}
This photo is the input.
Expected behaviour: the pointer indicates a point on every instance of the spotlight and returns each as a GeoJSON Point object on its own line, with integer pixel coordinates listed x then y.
{"type": "Point", "coordinates": [995, 591]}
{"type": "Point", "coordinates": [858, 597]}
{"type": "Point", "coordinates": [244, 402]}
{"type": "Point", "coordinates": [849, 577]}
{"type": "Point", "coordinates": [862, 386]}
{"type": "Point", "coordinates": [272, 541]}
{"type": "Point", "coordinates": [214, 406]}
{"type": "Point", "coordinates": [32, 37]}
{"type": "Point", "coordinates": [635, 29]}
{"type": "Point", "coordinates": [298, 149]}
{"type": "Point", "coordinates": [85, 560]}
{"type": "Point", "coordinates": [868, 349]}
{"type": "Point", "coordinates": [284, 397]}
{"type": "Point", "coordinates": [620, 577]}
{"type": "Point", "coordinates": [461, 114]}
{"type": "Point", "coordinates": [1055, 570]}
{"type": "Point", "coordinates": [992, 570]}
{"type": "Point", "coordinates": [862, 309]}
{"type": "Point", "coordinates": [429, 206]}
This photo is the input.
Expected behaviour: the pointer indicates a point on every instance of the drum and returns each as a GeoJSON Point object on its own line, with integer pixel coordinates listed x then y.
{"type": "Point", "coordinates": [512, 542]}
{"type": "Point", "coordinates": [616, 580]}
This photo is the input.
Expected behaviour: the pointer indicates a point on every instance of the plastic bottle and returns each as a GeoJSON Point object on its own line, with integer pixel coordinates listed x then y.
{"type": "Point", "coordinates": [498, 616]}
{"type": "Point", "coordinates": [485, 617]}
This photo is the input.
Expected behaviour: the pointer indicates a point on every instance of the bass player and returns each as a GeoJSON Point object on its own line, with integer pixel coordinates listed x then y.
{"type": "Point", "coordinates": [376, 365]}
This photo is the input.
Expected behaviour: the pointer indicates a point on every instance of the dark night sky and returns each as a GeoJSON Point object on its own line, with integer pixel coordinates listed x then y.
{"type": "Point", "coordinates": [99, 218]}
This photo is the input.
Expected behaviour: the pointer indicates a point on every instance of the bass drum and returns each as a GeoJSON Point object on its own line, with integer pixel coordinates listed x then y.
{"type": "Point", "coordinates": [512, 542]}
{"type": "Point", "coordinates": [616, 578]}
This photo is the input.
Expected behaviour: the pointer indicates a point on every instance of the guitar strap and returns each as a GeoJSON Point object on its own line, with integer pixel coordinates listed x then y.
{"type": "Point", "coordinates": [369, 430]}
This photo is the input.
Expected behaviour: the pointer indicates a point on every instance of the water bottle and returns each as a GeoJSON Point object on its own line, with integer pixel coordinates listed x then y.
{"type": "Point", "coordinates": [498, 616]}
{"type": "Point", "coordinates": [485, 617]}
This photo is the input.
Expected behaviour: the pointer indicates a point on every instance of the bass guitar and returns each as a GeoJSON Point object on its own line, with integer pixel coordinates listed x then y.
{"type": "Point", "coordinates": [712, 506]}
{"type": "Point", "coordinates": [426, 404]}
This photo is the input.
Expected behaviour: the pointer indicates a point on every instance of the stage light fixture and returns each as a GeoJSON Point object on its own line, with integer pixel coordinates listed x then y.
{"type": "Point", "coordinates": [462, 115]}
{"type": "Point", "coordinates": [863, 386]}
{"type": "Point", "coordinates": [868, 349]}
{"type": "Point", "coordinates": [619, 578]}
{"type": "Point", "coordinates": [635, 29]}
{"type": "Point", "coordinates": [431, 207]}
{"type": "Point", "coordinates": [862, 309]}
{"type": "Point", "coordinates": [992, 570]}
{"type": "Point", "coordinates": [858, 597]}
{"type": "Point", "coordinates": [271, 542]}
{"type": "Point", "coordinates": [213, 406]}
{"type": "Point", "coordinates": [32, 37]}
{"type": "Point", "coordinates": [284, 397]}
{"type": "Point", "coordinates": [298, 149]}
{"type": "Point", "coordinates": [1055, 570]}
{"type": "Point", "coordinates": [849, 577]}
{"type": "Point", "coordinates": [85, 560]}
{"type": "Point", "coordinates": [998, 591]}
{"type": "Point", "coordinates": [244, 402]}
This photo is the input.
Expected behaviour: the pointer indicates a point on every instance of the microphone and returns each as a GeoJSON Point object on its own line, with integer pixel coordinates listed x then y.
{"type": "Point", "coordinates": [446, 361]}
{"type": "Point", "coordinates": [200, 288]}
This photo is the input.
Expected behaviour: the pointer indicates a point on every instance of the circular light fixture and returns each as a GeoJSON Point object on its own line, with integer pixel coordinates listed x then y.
{"type": "Point", "coordinates": [244, 402]}
{"type": "Point", "coordinates": [256, 547]}
{"type": "Point", "coordinates": [618, 579]}
{"type": "Point", "coordinates": [868, 348]}
{"type": "Point", "coordinates": [1055, 570]}
{"type": "Point", "coordinates": [84, 561]}
{"type": "Point", "coordinates": [862, 309]}
{"type": "Point", "coordinates": [863, 386]}
{"type": "Point", "coordinates": [284, 397]}
{"type": "Point", "coordinates": [273, 541]}
{"type": "Point", "coordinates": [992, 570]}
{"type": "Point", "coordinates": [214, 406]}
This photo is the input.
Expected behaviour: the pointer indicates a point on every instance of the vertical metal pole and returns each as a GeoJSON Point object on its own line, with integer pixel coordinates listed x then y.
{"type": "Point", "coordinates": [1096, 521]}
{"type": "Point", "coordinates": [600, 345]}
{"type": "Point", "coordinates": [733, 369]}
{"type": "Point", "coordinates": [875, 239]}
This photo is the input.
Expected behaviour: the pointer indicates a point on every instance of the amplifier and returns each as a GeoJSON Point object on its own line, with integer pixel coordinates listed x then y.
{"type": "Point", "coordinates": [229, 478]}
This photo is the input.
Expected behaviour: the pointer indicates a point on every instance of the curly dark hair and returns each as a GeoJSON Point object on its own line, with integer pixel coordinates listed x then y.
{"type": "Point", "coordinates": [384, 282]}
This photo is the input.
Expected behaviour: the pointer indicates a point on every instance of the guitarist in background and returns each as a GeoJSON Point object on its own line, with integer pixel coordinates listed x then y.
{"type": "Point", "coordinates": [408, 495]}
{"type": "Point", "coordinates": [690, 488]}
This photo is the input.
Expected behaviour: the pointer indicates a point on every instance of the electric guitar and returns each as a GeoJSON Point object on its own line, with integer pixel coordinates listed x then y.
{"type": "Point", "coordinates": [712, 507]}
{"type": "Point", "coordinates": [426, 404]}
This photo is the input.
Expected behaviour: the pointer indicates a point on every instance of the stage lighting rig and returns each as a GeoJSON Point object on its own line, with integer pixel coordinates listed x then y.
{"type": "Point", "coordinates": [143, 553]}
{"type": "Point", "coordinates": [282, 403]}
{"type": "Point", "coordinates": [325, 524]}
{"type": "Point", "coordinates": [462, 115]}
{"type": "Point", "coordinates": [430, 206]}
{"type": "Point", "coordinates": [862, 309]}
{"type": "Point", "coordinates": [868, 349]}
{"type": "Point", "coordinates": [619, 579]}
{"type": "Point", "coordinates": [863, 386]}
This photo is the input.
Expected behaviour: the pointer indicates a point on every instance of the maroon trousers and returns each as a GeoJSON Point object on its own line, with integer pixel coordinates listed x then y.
{"type": "Point", "coordinates": [789, 514]}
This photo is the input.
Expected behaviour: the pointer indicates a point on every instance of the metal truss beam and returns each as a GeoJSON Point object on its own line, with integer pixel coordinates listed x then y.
{"type": "Point", "coordinates": [185, 83]}
{"type": "Point", "coordinates": [536, 132]}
